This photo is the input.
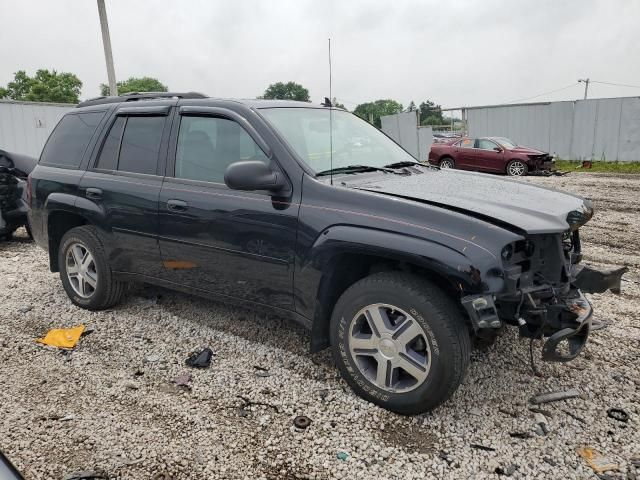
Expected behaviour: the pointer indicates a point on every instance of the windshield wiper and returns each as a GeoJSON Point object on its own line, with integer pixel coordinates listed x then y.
{"type": "Point", "coordinates": [356, 169]}
{"type": "Point", "coordinates": [405, 163]}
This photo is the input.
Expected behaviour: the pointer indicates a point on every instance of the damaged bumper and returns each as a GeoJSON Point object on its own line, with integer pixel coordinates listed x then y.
{"type": "Point", "coordinates": [543, 295]}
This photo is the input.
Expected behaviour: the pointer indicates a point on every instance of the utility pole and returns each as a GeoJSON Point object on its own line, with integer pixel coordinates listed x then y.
{"type": "Point", "coordinates": [586, 85]}
{"type": "Point", "coordinates": [106, 42]}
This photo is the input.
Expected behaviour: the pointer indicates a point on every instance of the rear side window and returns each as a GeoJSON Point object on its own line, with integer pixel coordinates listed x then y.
{"type": "Point", "coordinates": [132, 145]}
{"type": "Point", "coordinates": [69, 140]}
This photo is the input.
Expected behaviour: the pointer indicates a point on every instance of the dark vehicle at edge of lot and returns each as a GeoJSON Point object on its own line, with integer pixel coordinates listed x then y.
{"type": "Point", "coordinates": [490, 155]}
{"type": "Point", "coordinates": [393, 264]}
{"type": "Point", "coordinates": [14, 169]}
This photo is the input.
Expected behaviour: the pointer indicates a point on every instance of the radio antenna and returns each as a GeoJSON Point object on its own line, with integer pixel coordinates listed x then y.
{"type": "Point", "coordinates": [330, 118]}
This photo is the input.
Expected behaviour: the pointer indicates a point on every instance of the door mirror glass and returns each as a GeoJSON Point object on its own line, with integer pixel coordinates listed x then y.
{"type": "Point", "coordinates": [253, 175]}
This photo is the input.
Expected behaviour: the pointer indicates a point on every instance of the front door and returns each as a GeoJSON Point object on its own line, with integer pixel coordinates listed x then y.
{"type": "Point", "coordinates": [121, 187]}
{"type": "Point", "coordinates": [233, 243]}
{"type": "Point", "coordinates": [489, 156]}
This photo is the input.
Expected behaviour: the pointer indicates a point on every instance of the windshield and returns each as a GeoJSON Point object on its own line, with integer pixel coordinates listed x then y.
{"type": "Point", "coordinates": [355, 142]}
{"type": "Point", "coordinates": [505, 142]}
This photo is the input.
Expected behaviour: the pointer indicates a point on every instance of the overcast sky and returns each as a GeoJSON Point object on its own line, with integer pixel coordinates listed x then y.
{"type": "Point", "coordinates": [452, 52]}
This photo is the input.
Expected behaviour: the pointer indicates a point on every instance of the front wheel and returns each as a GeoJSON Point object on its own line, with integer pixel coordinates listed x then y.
{"type": "Point", "coordinates": [400, 342]}
{"type": "Point", "coordinates": [516, 168]}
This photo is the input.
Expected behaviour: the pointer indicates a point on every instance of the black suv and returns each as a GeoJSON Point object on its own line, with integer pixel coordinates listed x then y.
{"type": "Point", "coordinates": [312, 213]}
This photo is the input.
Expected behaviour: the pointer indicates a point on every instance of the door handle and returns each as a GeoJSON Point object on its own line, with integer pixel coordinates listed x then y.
{"type": "Point", "coordinates": [93, 193]}
{"type": "Point", "coordinates": [177, 205]}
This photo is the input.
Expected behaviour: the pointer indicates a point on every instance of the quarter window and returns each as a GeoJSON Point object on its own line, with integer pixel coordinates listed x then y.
{"type": "Point", "coordinates": [70, 138]}
{"type": "Point", "coordinates": [208, 145]}
{"type": "Point", "coordinates": [466, 143]}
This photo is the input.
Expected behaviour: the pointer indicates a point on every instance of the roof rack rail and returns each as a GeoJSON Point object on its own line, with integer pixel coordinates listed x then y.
{"type": "Point", "coordinates": [135, 96]}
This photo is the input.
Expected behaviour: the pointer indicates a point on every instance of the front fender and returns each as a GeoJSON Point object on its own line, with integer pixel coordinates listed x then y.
{"type": "Point", "coordinates": [462, 271]}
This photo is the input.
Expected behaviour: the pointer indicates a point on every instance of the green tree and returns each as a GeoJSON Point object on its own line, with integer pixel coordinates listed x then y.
{"type": "Point", "coordinates": [430, 113]}
{"type": "Point", "coordinates": [377, 109]}
{"type": "Point", "coordinates": [412, 107]}
{"type": "Point", "coordinates": [143, 84]}
{"type": "Point", "coordinates": [44, 86]}
{"type": "Point", "coordinates": [337, 104]}
{"type": "Point", "coordinates": [287, 91]}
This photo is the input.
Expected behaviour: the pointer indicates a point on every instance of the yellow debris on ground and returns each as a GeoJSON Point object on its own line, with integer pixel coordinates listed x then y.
{"type": "Point", "coordinates": [62, 337]}
{"type": "Point", "coordinates": [597, 462]}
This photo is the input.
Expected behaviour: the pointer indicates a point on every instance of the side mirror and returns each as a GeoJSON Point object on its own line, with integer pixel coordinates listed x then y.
{"type": "Point", "coordinates": [497, 149]}
{"type": "Point", "coordinates": [253, 175]}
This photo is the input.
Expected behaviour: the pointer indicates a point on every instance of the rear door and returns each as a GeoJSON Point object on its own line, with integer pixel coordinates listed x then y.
{"type": "Point", "coordinates": [233, 243]}
{"type": "Point", "coordinates": [487, 158]}
{"type": "Point", "coordinates": [465, 153]}
{"type": "Point", "coordinates": [120, 190]}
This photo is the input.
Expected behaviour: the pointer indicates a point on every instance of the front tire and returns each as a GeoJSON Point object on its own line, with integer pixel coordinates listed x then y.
{"type": "Point", "coordinates": [517, 168]}
{"type": "Point", "coordinates": [400, 342]}
{"type": "Point", "coordinates": [86, 276]}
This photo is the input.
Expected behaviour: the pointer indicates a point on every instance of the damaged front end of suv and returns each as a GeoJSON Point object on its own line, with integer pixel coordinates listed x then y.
{"type": "Point", "coordinates": [543, 290]}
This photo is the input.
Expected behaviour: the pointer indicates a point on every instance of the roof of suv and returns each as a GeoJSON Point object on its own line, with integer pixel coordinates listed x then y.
{"type": "Point", "coordinates": [141, 96]}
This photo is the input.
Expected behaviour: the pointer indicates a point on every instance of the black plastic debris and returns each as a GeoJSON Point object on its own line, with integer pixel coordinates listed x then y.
{"type": "Point", "coordinates": [482, 447]}
{"type": "Point", "coordinates": [618, 414]}
{"type": "Point", "coordinates": [88, 475]}
{"type": "Point", "coordinates": [302, 422]}
{"type": "Point", "coordinates": [521, 435]}
{"type": "Point", "coordinates": [200, 359]}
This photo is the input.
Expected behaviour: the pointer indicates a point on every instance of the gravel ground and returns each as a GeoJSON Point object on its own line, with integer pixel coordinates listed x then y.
{"type": "Point", "coordinates": [111, 405]}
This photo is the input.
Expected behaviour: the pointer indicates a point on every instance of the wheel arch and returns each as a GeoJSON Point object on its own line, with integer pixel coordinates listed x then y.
{"type": "Point", "coordinates": [60, 222]}
{"type": "Point", "coordinates": [345, 255]}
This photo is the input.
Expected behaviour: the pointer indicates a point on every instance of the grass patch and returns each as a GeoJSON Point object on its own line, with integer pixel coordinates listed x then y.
{"type": "Point", "coordinates": [610, 167]}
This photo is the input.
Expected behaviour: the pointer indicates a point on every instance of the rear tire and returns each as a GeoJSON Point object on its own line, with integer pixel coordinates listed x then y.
{"type": "Point", "coordinates": [422, 331]}
{"type": "Point", "coordinates": [447, 162]}
{"type": "Point", "coordinates": [86, 276]}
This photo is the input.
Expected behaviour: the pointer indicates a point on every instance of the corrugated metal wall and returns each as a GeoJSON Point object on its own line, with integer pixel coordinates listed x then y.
{"type": "Point", "coordinates": [403, 128]}
{"type": "Point", "coordinates": [25, 126]}
{"type": "Point", "coordinates": [598, 129]}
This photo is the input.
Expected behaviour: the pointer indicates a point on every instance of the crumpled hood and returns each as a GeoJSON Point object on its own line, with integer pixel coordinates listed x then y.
{"type": "Point", "coordinates": [518, 204]}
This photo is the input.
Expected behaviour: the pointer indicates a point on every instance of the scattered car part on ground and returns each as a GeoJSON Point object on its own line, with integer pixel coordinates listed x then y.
{"type": "Point", "coordinates": [201, 359]}
{"type": "Point", "coordinates": [62, 337]}
{"type": "Point", "coordinates": [302, 422]}
{"type": "Point", "coordinates": [618, 414]}
{"type": "Point", "coordinates": [393, 264]}
{"type": "Point", "coordinates": [491, 155]}
{"type": "Point", "coordinates": [554, 396]}
{"type": "Point", "coordinates": [596, 461]}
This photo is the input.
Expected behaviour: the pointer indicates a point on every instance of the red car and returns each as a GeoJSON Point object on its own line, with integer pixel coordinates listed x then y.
{"type": "Point", "coordinates": [492, 155]}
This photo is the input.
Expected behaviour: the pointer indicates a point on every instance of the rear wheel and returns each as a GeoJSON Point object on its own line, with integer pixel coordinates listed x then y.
{"type": "Point", "coordinates": [86, 276]}
{"type": "Point", "coordinates": [447, 162]}
{"type": "Point", "coordinates": [516, 168]}
{"type": "Point", "coordinates": [400, 342]}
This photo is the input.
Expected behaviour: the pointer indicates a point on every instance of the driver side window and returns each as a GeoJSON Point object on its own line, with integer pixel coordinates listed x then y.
{"type": "Point", "coordinates": [208, 145]}
{"type": "Point", "coordinates": [484, 144]}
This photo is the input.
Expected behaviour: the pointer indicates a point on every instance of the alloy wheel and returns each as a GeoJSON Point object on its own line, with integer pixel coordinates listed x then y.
{"type": "Point", "coordinates": [446, 164]}
{"type": "Point", "coordinates": [389, 347]}
{"type": "Point", "coordinates": [517, 168]}
{"type": "Point", "coordinates": [81, 270]}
